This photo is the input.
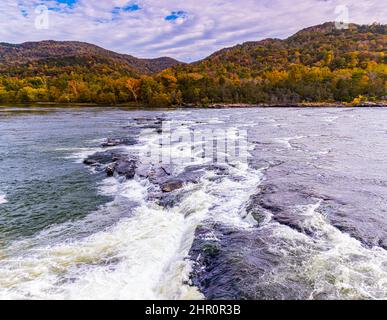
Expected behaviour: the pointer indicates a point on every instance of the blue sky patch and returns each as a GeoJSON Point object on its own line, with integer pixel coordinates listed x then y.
{"type": "Point", "coordinates": [176, 15]}
{"type": "Point", "coordinates": [131, 7]}
{"type": "Point", "coordinates": [127, 8]}
{"type": "Point", "coordinates": [70, 3]}
{"type": "Point", "coordinates": [24, 12]}
{"type": "Point", "coordinates": [58, 5]}
{"type": "Point", "coordinates": [23, 9]}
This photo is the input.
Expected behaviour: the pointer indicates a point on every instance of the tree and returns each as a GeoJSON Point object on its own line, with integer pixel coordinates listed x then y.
{"type": "Point", "coordinates": [134, 86]}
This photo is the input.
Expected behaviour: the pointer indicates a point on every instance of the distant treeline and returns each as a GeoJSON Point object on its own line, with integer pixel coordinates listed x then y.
{"type": "Point", "coordinates": [298, 84]}
{"type": "Point", "coordinates": [319, 64]}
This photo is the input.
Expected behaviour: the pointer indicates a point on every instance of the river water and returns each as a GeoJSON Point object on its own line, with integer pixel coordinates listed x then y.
{"type": "Point", "coordinates": [299, 212]}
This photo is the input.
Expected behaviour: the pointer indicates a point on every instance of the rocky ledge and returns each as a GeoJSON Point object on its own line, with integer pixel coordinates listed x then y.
{"type": "Point", "coordinates": [167, 184]}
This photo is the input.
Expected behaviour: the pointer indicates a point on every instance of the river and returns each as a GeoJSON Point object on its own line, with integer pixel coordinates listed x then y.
{"type": "Point", "coordinates": [259, 203]}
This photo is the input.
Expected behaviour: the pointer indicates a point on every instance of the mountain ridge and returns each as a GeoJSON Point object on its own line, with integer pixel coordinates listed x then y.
{"type": "Point", "coordinates": [317, 64]}
{"type": "Point", "coordinates": [322, 32]}
{"type": "Point", "coordinates": [33, 52]}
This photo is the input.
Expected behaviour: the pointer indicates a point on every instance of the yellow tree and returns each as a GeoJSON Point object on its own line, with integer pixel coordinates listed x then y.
{"type": "Point", "coordinates": [134, 86]}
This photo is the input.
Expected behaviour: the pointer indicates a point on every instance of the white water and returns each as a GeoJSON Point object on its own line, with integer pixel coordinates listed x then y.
{"type": "Point", "coordinates": [142, 256]}
{"type": "Point", "coordinates": [345, 268]}
{"type": "Point", "coordinates": [80, 154]}
{"type": "Point", "coordinates": [287, 140]}
{"type": "Point", "coordinates": [3, 199]}
{"type": "Point", "coordinates": [335, 264]}
{"type": "Point", "coordinates": [126, 261]}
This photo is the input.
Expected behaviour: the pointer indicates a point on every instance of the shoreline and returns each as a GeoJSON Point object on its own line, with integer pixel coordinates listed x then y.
{"type": "Point", "coordinates": [378, 104]}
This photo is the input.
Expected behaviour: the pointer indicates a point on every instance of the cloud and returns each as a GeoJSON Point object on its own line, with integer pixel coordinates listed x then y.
{"type": "Point", "coordinates": [188, 30]}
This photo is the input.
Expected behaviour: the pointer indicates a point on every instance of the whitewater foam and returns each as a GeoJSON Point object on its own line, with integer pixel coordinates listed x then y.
{"type": "Point", "coordinates": [335, 265]}
{"type": "Point", "coordinates": [3, 199]}
{"type": "Point", "coordinates": [143, 254]}
{"type": "Point", "coordinates": [330, 119]}
{"type": "Point", "coordinates": [287, 140]}
{"type": "Point", "coordinates": [125, 261]}
{"type": "Point", "coordinates": [80, 154]}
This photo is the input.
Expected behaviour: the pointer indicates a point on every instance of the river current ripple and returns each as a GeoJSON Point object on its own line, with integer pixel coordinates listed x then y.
{"type": "Point", "coordinates": [300, 215]}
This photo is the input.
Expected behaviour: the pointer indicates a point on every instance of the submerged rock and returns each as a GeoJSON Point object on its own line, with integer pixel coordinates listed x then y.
{"type": "Point", "coordinates": [172, 185]}
{"type": "Point", "coordinates": [191, 174]}
{"type": "Point", "coordinates": [150, 123]}
{"type": "Point", "coordinates": [383, 243]}
{"type": "Point", "coordinates": [169, 199]}
{"type": "Point", "coordinates": [236, 264]}
{"type": "Point", "coordinates": [256, 211]}
{"type": "Point", "coordinates": [113, 142]}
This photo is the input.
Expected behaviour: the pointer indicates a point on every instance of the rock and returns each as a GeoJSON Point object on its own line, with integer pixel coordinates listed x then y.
{"type": "Point", "coordinates": [369, 104]}
{"type": "Point", "coordinates": [113, 162]}
{"type": "Point", "coordinates": [103, 158]}
{"type": "Point", "coordinates": [192, 174]}
{"type": "Point", "coordinates": [90, 162]}
{"type": "Point", "coordinates": [110, 169]}
{"type": "Point", "coordinates": [383, 243]}
{"type": "Point", "coordinates": [216, 179]}
{"type": "Point", "coordinates": [219, 169]}
{"type": "Point", "coordinates": [126, 167]}
{"type": "Point", "coordinates": [169, 199]}
{"type": "Point", "coordinates": [171, 185]}
{"type": "Point", "coordinates": [222, 271]}
{"type": "Point", "coordinates": [256, 211]}
{"type": "Point", "coordinates": [150, 123]}
{"type": "Point", "coordinates": [142, 170]}
{"type": "Point", "coordinates": [112, 142]}
{"type": "Point", "coordinates": [156, 175]}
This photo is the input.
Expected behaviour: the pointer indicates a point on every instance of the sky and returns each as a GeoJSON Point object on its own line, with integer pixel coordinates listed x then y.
{"type": "Point", "coordinates": [187, 30]}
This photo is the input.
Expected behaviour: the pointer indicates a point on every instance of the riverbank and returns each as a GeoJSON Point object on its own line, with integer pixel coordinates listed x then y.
{"type": "Point", "coordinates": [377, 104]}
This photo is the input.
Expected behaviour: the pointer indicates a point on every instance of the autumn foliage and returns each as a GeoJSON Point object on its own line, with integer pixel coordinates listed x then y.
{"type": "Point", "coordinates": [318, 64]}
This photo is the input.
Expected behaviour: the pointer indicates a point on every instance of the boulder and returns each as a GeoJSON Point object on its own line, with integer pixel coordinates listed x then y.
{"type": "Point", "coordinates": [102, 158]}
{"type": "Point", "coordinates": [110, 169]}
{"type": "Point", "coordinates": [169, 199]}
{"type": "Point", "coordinates": [112, 142]}
{"type": "Point", "coordinates": [172, 185]}
{"type": "Point", "coordinates": [126, 167]}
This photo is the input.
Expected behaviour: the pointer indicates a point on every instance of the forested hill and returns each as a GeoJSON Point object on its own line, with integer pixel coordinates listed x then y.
{"type": "Point", "coordinates": [322, 45]}
{"type": "Point", "coordinates": [47, 57]}
{"type": "Point", "coordinates": [320, 63]}
{"type": "Point", "coordinates": [317, 64]}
